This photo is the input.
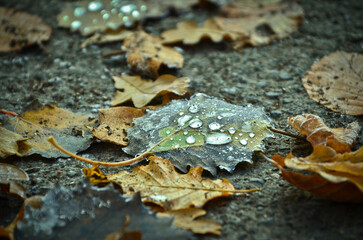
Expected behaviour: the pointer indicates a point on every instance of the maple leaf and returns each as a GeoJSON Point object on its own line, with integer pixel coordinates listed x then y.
{"type": "Point", "coordinates": [339, 176]}
{"type": "Point", "coordinates": [39, 122]}
{"type": "Point", "coordinates": [203, 131]}
{"type": "Point", "coordinates": [317, 133]}
{"type": "Point", "coordinates": [336, 82]}
{"type": "Point", "coordinates": [190, 33]}
{"type": "Point", "coordinates": [141, 92]}
{"type": "Point", "coordinates": [65, 213]}
{"type": "Point", "coordinates": [19, 29]}
{"type": "Point", "coordinates": [145, 53]}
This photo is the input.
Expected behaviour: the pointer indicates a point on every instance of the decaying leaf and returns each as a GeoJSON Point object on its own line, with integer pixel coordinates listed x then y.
{"type": "Point", "coordinates": [106, 37]}
{"type": "Point", "coordinates": [317, 133]}
{"type": "Point", "coordinates": [246, 8]}
{"type": "Point", "coordinates": [336, 82]}
{"type": "Point", "coordinates": [141, 92]}
{"type": "Point", "coordinates": [145, 53]}
{"type": "Point", "coordinates": [39, 122]}
{"type": "Point", "coordinates": [188, 219]}
{"type": "Point", "coordinates": [10, 142]}
{"type": "Point", "coordinates": [19, 29]}
{"type": "Point", "coordinates": [262, 25]}
{"type": "Point", "coordinates": [190, 33]}
{"type": "Point", "coordinates": [65, 213]}
{"type": "Point", "coordinates": [160, 184]}
{"type": "Point", "coordinates": [8, 175]}
{"type": "Point", "coordinates": [203, 131]}
{"type": "Point", "coordinates": [114, 121]}
{"type": "Point", "coordinates": [338, 177]}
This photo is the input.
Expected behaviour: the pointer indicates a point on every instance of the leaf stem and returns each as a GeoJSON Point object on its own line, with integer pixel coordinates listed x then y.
{"type": "Point", "coordinates": [105, 164]}
{"type": "Point", "coordinates": [286, 133]}
{"type": "Point", "coordinates": [12, 114]}
{"type": "Point", "coordinates": [207, 189]}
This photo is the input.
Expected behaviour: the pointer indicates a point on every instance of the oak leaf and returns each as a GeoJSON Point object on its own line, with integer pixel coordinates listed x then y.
{"type": "Point", "coordinates": [106, 37]}
{"type": "Point", "coordinates": [19, 29]}
{"type": "Point", "coordinates": [317, 133]}
{"type": "Point", "coordinates": [336, 82]}
{"type": "Point", "coordinates": [249, 7]}
{"type": "Point", "coordinates": [141, 92]}
{"type": "Point", "coordinates": [145, 53]}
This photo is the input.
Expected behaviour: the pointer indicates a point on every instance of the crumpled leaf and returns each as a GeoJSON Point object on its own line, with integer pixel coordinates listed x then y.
{"type": "Point", "coordinates": [39, 122]}
{"type": "Point", "coordinates": [114, 121]}
{"type": "Point", "coordinates": [141, 92]}
{"type": "Point", "coordinates": [203, 131]}
{"type": "Point", "coordinates": [317, 133]}
{"type": "Point", "coordinates": [189, 32]}
{"type": "Point", "coordinates": [336, 82]}
{"type": "Point", "coordinates": [87, 212]}
{"type": "Point", "coordinates": [8, 175]}
{"type": "Point", "coordinates": [187, 219]}
{"type": "Point", "coordinates": [10, 142]}
{"type": "Point", "coordinates": [145, 53]}
{"type": "Point", "coordinates": [262, 25]}
{"type": "Point", "coordinates": [160, 184]}
{"type": "Point", "coordinates": [19, 29]}
{"type": "Point", "coordinates": [338, 177]}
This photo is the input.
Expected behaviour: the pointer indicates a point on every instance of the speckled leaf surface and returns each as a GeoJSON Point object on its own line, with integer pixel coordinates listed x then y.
{"type": "Point", "coordinates": [203, 131]}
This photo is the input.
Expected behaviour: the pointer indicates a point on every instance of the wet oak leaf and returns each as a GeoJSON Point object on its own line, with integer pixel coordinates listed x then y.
{"type": "Point", "coordinates": [160, 184]}
{"type": "Point", "coordinates": [317, 133]}
{"type": "Point", "coordinates": [336, 82]}
{"type": "Point", "coordinates": [337, 176]}
{"type": "Point", "coordinates": [145, 53]}
{"type": "Point", "coordinates": [202, 131]}
{"type": "Point", "coordinates": [114, 121]}
{"type": "Point", "coordinates": [190, 33]}
{"type": "Point", "coordinates": [188, 219]}
{"type": "Point", "coordinates": [19, 29]}
{"type": "Point", "coordinates": [39, 122]}
{"type": "Point", "coordinates": [141, 92]}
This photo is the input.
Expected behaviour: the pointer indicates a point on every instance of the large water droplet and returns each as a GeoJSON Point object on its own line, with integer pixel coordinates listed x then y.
{"type": "Point", "coordinates": [195, 123]}
{"type": "Point", "coordinates": [75, 25]}
{"type": "Point", "coordinates": [190, 139]}
{"type": "Point", "coordinates": [95, 6]}
{"type": "Point", "coordinates": [127, 8]}
{"type": "Point", "coordinates": [219, 117]}
{"type": "Point", "coordinates": [183, 120]}
{"type": "Point", "coordinates": [193, 109]}
{"type": "Point", "coordinates": [232, 130]}
{"type": "Point", "coordinates": [251, 135]}
{"type": "Point", "coordinates": [244, 142]}
{"type": "Point", "coordinates": [214, 126]}
{"type": "Point", "coordinates": [185, 132]}
{"type": "Point", "coordinates": [135, 14]}
{"type": "Point", "coordinates": [79, 12]}
{"type": "Point", "coordinates": [167, 132]}
{"type": "Point", "coordinates": [218, 138]}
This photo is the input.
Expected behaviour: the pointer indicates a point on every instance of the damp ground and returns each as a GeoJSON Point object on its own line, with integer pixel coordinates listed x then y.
{"type": "Point", "coordinates": [268, 76]}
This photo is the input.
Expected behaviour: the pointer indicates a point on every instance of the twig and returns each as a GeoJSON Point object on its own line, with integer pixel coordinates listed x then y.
{"type": "Point", "coordinates": [286, 133]}
{"type": "Point", "coordinates": [12, 114]}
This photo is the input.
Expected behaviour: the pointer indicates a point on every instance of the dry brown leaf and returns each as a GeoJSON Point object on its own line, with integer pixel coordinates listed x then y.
{"type": "Point", "coordinates": [317, 133]}
{"type": "Point", "coordinates": [141, 92]}
{"type": "Point", "coordinates": [190, 33]}
{"type": "Point", "coordinates": [267, 24]}
{"type": "Point", "coordinates": [336, 82]}
{"type": "Point", "coordinates": [160, 184]}
{"type": "Point", "coordinates": [187, 219]}
{"type": "Point", "coordinates": [339, 176]}
{"type": "Point", "coordinates": [114, 121]}
{"type": "Point", "coordinates": [9, 142]}
{"type": "Point", "coordinates": [19, 29]}
{"type": "Point", "coordinates": [145, 53]}
{"type": "Point", "coordinates": [8, 175]}
{"type": "Point", "coordinates": [108, 36]}
{"type": "Point", "coordinates": [249, 7]}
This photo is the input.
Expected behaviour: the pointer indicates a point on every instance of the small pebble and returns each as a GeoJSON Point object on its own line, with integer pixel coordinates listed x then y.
{"type": "Point", "coordinates": [287, 100]}
{"type": "Point", "coordinates": [261, 84]}
{"type": "Point", "coordinates": [232, 91]}
{"type": "Point", "coordinates": [275, 175]}
{"type": "Point", "coordinates": [258, 180]}
{"type": "Point", "coordinates": [276, 114]}
{"type": "Point", "coordinates": [272, 94]}
{"type": "Point", "coordinates": [285, 76]}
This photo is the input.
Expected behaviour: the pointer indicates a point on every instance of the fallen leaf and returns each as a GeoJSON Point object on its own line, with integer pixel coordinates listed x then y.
{"type": "Point", "coordinates": [114, 121]}
{"type": "Point", "coordinates": [9, 143]}
{"type": "Point", "coordinates": [8, 175]}
{"type": "Point", "coordinates": [88, 212]}
{"type": "Point", "coordinates": [187, 219]}
{"type": "Point", "coordinates": [249, 8]}
{"type": "Point", "coordinates": [190, 33]}
{"type": "Point", "coordinates": [338, 177]}
{"type": "Point", "coordinates": [123, 234]}
{"type": "Point", "coordinates": [19, 29]}
{"type": "Point", "coordinates": [336, 82]}
{"type": "Point", "coordinates": [264, 26]}
{"type": "Point", "coordinates": [160, 184]}
{"type": "Point", "coordinates": [141, 92]}
{"type": "Point", "coordinates": [145, 53]}
{"type": "Point", "coordinates": [317, 133]}
{"type": "Point", "coordinates": [39, 122]}
{"type": "Point", "coordinates": [204, 131]}
{"type": "Point", "coordinates": [106, 37]}
{"type": "Point", "coordinates": [158, 8]}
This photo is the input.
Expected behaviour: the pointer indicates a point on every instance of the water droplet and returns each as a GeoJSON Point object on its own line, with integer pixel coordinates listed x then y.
{"type": "Point", "coordinates": [240, 134]}
{"type": "Point", "coordinates": [190, 139]}
{"type": "Point", "coordinates": [230, 148]}
{"type": "Point", "coordinates": [125, 19]}
{"type": "Point", "coordinates": [193, 109]}
{"type": "Point", "coordinates": [230, 158]}
{"type": "Point", "coordinates": [127, 8]}
{"type": "Point", "coordinates": [246, 128]}
{"type": "Point", "coordinates": [214, 126]}
{"type": "Point", "coordinates": [65, 18]}
{"type": "Point", "coordinates": [95, 20]}
{"type": "Point", "coordinates": [106, 16]}
{"type": "Point", "coordinates": [195, 123]}
{"type": "Point", "coordinates": [251, 135]}
{"type": "Point", "coordinates": [135, 14]}
{"type": "Point", "coordinates": [185, 132]}
{"type": "Point", "coordinates": [219, 117]}
{"type": "Point", "coordinates": [171, 139]}
{"type": "Point", "coordinates": [167, 131]}
{"type": "Point", "coordinates": [232, 130]}
{"type": "Point", "coordinates": [181, 113]}
{"type": "Point", "coordinates": [177, 145]}
{"type": "Point", "coordinates": [236, 138]}
{"type": "Point", "coordinates": [95, 6]}
{"type": "Point", "coordinates": [218, 138]}
{"type": "Point", "coordinates": [75, 25]}
{"type": "Point", "coordinates": [183, 120]}
{"type": "Point", "coordinates": [143, 8]}
{"type": "Point", "coordinates": [243, 142]}
{"type": "Point", "coordinates": [113, 10]}
{"type": "Point", "coordinates": [79, 12]}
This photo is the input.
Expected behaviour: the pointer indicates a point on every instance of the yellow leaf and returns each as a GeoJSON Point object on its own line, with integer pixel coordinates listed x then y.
{"type": "Point", "coordinates": [9, 143]}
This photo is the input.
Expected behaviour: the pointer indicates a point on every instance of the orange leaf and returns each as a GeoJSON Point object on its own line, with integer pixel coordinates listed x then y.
{"type": "Point", "coordinates": [317, 133]}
